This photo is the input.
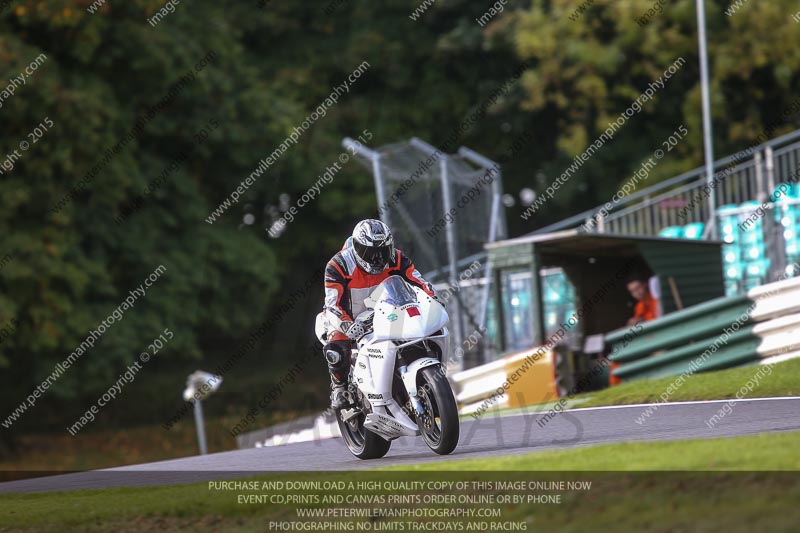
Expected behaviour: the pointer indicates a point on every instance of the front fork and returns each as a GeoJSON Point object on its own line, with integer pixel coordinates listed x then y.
{"type": "Point", "coordinates": [413, 395]}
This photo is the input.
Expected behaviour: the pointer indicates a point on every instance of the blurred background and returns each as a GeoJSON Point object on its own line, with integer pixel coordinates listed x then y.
{"type": "Point", "coordinates": [141, 120]}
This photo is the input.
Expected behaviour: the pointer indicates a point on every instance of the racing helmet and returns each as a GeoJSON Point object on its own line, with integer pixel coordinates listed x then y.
{"type": "Point", "coordinates": [373, 245]}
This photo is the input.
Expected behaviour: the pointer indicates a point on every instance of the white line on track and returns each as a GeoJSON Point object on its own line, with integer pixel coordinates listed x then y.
{"type": "Point", "coordinates": [667, 404]}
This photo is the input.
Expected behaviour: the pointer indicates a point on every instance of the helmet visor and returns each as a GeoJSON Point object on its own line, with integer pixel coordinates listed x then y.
{"type": "Point", "coordinates": [375, 256]}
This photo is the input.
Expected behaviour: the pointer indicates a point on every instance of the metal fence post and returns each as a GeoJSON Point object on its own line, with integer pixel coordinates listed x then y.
{"type": "Point", "coordinates": [761, 187]}
{"type": "Point", "coordinates": [769, 161]}
{"type": "Point", "coordinates": [452, 259]}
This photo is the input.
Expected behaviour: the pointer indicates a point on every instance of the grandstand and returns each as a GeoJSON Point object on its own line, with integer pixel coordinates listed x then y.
{"type": "Point", "coordinates": [759, 246]}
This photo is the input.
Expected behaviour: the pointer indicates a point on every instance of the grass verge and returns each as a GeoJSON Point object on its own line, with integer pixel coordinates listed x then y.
{"type": "Point", "coordinates": [724, 384]}
{"type": "Point", "coordinates": [784, 380]}
{"type": "Point", "coordinates": [768, 451]}
{"type": "Point", "coordinates": [644, 501]}
{"type": "Point", "coordinates": [93, 449]}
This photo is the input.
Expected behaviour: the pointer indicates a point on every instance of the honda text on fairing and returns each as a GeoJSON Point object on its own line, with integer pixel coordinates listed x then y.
{"type": "Point", "coordinates": [397, 386]}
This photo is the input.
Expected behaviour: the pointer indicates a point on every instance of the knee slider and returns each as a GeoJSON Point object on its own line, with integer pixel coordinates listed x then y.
{"type": "Point", "coordinates": [336, 356]}
{"type": "Point", "coordinates": [333, 357]}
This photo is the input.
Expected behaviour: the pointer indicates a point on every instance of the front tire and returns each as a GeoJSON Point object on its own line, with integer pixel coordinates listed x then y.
{"type": "Point", "coordinates": [439, 424]}
{"type": "Point", "coordinates": [361, 442]}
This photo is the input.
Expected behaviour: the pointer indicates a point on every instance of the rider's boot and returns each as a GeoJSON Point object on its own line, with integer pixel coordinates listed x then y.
{"type": "Point", "coordinates": [339, 395]}
{"type": "Point", "coordinates": [338, 366]}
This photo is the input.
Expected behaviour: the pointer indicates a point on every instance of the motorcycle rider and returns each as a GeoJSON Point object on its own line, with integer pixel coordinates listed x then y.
{"type": "Point", "coordinates": [367, 258]}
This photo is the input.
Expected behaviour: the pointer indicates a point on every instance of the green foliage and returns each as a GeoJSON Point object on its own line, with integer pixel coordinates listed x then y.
{"type": "Point", "coordinates": [588, 71]}
{"type": "Point", "coordinates": [73, 266]}
{"type": "Point", "coordinates": [267, 69]}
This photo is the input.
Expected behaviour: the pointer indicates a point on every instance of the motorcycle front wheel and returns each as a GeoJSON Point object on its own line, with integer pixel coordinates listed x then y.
{"type": "Point", "coordinates": [439, 424]}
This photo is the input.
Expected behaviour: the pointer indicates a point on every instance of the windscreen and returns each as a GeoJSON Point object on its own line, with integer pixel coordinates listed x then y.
{"type": "Point", "coordinates": [396, 292]}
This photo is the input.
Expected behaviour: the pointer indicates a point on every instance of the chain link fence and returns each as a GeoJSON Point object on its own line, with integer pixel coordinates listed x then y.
{"type": "Point", "coordinates": [442, 209]}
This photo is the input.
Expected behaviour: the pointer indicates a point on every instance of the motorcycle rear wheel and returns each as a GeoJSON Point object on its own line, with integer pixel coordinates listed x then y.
{"type": "Point", "coordinates": [361, 442]}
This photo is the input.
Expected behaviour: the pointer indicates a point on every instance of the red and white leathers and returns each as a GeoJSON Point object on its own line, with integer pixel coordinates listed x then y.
{"type": "Point", "coordinates": [347, 286]}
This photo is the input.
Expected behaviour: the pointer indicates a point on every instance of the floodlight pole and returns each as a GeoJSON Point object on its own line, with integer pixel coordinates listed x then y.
{"type": "Point", "coordinates": [488, 267]}
{"type": "Point", "coordinates": [200, 384]}
{"type": "Point", "coordinates": [201, 429]}
{"type": "Point", "coordinates": [707, 128]}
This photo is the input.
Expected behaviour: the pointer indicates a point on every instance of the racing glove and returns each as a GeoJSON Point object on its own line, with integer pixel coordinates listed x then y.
{"type": "Point", "coordinates": [356, 330]}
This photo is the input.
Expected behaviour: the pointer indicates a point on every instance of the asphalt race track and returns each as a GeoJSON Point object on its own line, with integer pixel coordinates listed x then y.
{"type": "Point", "coordinates": [489, 436]}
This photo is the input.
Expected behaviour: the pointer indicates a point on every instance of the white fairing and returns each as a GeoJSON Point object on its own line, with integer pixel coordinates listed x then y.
{"type": "Point", "coordinates": [402, 316]}
{"type": "Point", "coordinates": [374, 371]}
{"type": "Point", "coordinates": [408, 321]}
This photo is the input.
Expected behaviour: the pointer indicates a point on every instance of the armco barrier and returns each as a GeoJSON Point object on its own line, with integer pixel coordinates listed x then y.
{"type": "Point", "coordinates": [761, 326]}
{"type": "Point", "coordinates": [304, 429]}
{"type": "Point", "coordinates": [528, 383]}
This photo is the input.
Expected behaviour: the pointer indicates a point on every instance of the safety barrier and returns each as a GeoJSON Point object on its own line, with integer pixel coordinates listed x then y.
{"type": "Point", "coordinates": [762, 326]}
{"type": "Point", "coordinates": [515, 380]}
{"type": "Point", "coordinates": [304, 429]}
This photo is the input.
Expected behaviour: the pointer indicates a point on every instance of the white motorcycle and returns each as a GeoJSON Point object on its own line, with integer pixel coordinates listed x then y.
{"type": "Point", "coordinates": [397, 382]}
